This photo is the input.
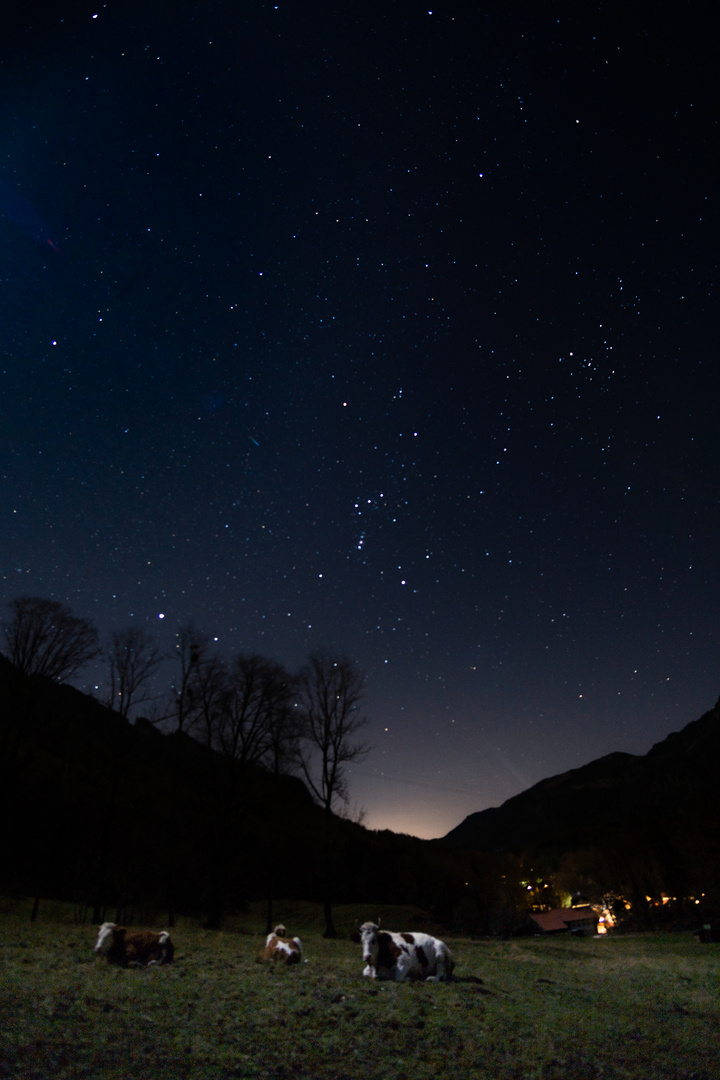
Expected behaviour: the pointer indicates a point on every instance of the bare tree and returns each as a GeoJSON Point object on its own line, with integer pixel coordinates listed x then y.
{"type": "Point", "coordinates": [192, 649]}
{"type": "Point", "coordinates": [238, 709]}
{"type": "Point", "coordinates": [208, 694]}
{"type": "Point", "coordinates": [283, 754]}
{"type": "Point", "coordinates": [330, 691]}
{"type": "Point", "coordinates": [45, 638]}
{"type": "Point", "coordinates": [134, 659]}
{"type": "Point", "coordinates": [245, 734]}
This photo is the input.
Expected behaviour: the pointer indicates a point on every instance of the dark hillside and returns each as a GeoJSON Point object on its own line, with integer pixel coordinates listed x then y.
{"type": "Point", "coordinates": [100, 809]}
{"type": "Point", "coordinates": [645, 824]}
{"type": "Point", "coordinates": [120, 817]}
{"type": "Point", "coordinates": [562, 810]}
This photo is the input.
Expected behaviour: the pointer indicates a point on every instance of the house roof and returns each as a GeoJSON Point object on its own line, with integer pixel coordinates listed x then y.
{"type": "Point", "coordinates": [563, 918]}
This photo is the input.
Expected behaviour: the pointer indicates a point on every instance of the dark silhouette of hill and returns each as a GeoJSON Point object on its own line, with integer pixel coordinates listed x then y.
{"type": "Point", "coordinates": [121, 817]}
{"type": "Point", "coordinates": [101, 810]}
{"type": "Point", "coordinates": [639, 824]}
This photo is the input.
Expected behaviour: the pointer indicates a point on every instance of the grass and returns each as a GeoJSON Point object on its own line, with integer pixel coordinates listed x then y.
{"type": "Point", "coordinates": [542, 1008]}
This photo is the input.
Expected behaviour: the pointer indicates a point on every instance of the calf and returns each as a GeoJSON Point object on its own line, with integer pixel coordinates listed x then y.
{"type": "Point", "coordinates": [136, 947]}
{"type": "Point", "coordinates": [404, 956]}
{"type": "Point", "coordinates": [280, 947]}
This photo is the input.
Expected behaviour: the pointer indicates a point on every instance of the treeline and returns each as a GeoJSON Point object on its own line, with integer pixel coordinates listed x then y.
{"type": "Point", "coordinates": [247, 712]}
{"type": "Point", "coordinates": [206, 809]}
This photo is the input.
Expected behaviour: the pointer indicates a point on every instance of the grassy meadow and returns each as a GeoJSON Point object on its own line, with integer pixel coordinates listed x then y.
{"type": "Point", "coordinates": [621, 1008]}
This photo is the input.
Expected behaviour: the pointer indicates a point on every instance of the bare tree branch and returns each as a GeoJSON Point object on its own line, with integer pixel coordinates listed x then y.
{"type": "Point", "coordinates": [283, 753]}
{"type": "Point", "coordinates": [134, 659]}
{"type": "Point", "coordinates": [45, 638]}
{"type": "Point", "coordinates": [192, 649]}
{"type": "Point", "coordinates": [257, 700]}
{"type": "Point", "coordinates": [330, 690]}
{"type": "Point", "coordinates": [236, 712]}
{"type": "Point", "coordinates": [209, 691]}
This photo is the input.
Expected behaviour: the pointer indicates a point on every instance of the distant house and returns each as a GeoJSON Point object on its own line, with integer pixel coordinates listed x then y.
{"type": "Point", "coordinates": [576, 920]}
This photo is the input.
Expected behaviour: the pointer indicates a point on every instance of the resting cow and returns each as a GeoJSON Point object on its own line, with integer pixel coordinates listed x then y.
{"type": "Point", "coordinates": [404, 956]}
{"type": "Point", "coordinates": [137, 947]}
{"type": "Point", "coordinates": [280, 947]}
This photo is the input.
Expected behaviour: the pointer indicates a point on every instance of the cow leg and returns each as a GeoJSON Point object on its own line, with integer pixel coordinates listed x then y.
{"type": "Point", "coordinates": [402, 968]}
{"type": "Point", "coordinates": [441, 970]}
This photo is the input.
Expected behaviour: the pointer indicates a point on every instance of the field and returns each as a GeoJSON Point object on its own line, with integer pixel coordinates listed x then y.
{"type": "Point", "coordinates": [619, 1008]}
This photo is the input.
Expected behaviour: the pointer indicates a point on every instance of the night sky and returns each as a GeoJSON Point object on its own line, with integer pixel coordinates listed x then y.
{"type": "Point", "coordinates": [386, 328]}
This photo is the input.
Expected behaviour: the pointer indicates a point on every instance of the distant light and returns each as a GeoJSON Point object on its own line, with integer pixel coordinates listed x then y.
{"type": "Point", "coordinates": [161, 616]}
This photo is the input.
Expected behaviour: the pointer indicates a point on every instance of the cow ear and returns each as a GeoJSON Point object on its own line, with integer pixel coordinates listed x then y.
{"type": "Point", "coordinates": [355, 936]}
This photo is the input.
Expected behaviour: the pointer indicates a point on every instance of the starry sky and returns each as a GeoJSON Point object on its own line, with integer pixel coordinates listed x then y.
{"type": "Point", "coordinates": [387, 328]}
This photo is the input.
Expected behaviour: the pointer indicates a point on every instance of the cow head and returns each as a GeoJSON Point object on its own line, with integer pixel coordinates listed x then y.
{"type": "Point", "coordinates": [106, 938]}
{"type": "Point", "coordinates": [370, 945]}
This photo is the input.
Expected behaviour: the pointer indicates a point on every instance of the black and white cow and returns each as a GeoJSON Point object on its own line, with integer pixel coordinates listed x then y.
{"type": "Point", "coordinates": [404, 956]}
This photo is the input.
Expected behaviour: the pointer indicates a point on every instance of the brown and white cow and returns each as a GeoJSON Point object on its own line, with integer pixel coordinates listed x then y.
{"type": "Point", "coordinates": [404, 956]}
{"type": "Point", "coordinates": [280, 947]}
{"type": "Point", "coordinates": [137, 947]}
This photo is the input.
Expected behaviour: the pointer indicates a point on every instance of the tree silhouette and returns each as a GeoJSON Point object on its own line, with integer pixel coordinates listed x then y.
{"type": "Point", "coordinates": [192, 648]}
{"type": "Point", "coordinates": [330, 690]}
{"type": "Point", "coordinates": [283, 753]}
{"type": "Point", "coordinates": [238, 710]}
{"type": "Point", "coordinates": [45, 638]}
{"type": "Point", "coordinates": [134, 659]}
{"type": "Point", "coordinates": [255, 703]}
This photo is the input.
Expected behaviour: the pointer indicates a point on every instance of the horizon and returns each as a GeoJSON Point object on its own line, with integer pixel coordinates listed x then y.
{"type": "Point", "coordinates": [402, 819]}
